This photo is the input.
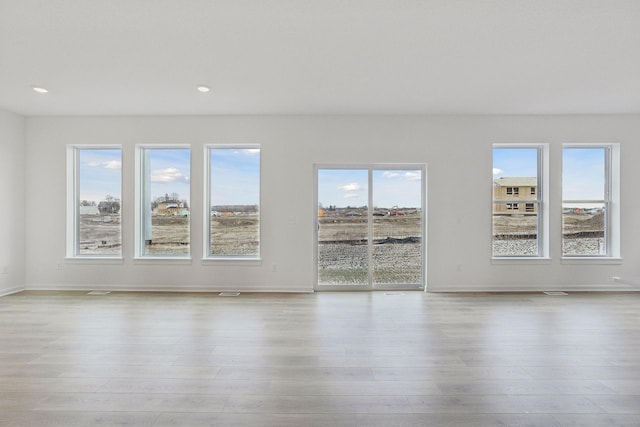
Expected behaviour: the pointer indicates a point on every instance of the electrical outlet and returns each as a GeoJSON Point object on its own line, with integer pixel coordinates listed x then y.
{"type": "Point", "coordinates": [60, 266]}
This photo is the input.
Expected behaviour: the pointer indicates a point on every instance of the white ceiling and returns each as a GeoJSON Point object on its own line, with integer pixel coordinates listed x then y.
{"type": "Point", "coordinates": [131, 57]}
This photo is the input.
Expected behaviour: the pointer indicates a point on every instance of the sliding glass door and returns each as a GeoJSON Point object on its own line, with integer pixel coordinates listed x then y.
{"type": "Point", "coordinates": [370, 227]}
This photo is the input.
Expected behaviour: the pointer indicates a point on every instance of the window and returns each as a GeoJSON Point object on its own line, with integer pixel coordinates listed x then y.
{"type": "Point", "coordinates": [163, 201]}
{"type": "Point", "coordinates": [589, 208]}
{"type": "Point", "coordinates": [94, 188]}
{"type": "Point", "coordinates": [519, 232]}
{"type": "Point", "coordinates": [232, 209]}
{"type": "Point", "coordinates": [370, 227]}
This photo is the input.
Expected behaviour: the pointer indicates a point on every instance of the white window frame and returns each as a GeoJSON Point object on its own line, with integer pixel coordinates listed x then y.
{"type": "Point", "coordinates": [611, 202]}
{"type": "Point", "coordinates": [206, 244]}
{"type": "Point", "coordinates": [370, 168]}
{"type": "Point", "coordinates": [140, 197]}
{"type": "Point", "coordinates": [73, 204]}
{"type": "Point", "coordinates": [542, 200]}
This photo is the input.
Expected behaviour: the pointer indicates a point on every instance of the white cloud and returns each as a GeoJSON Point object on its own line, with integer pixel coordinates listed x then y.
{"type": "Point", "coordinates": [351, 195]}
{"type": "Point", "coordinates": [251, 151]}
{"type": "Point", "coordinates": [353, 186]}
{"type": "Point", "coordinates": [387, 174]}
{"type": "Point", "coordinates": [497, 171]}
{"type": "Point", "coordinates": [93, 164]}
{"type": "Point", "coordinates": [167, 176]}
{"type": "Point", "coordinates": [412, 176]}
{"type": "Point", "coordinates": [112, 164]}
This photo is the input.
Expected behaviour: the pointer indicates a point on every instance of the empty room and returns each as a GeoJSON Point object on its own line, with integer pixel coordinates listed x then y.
{"type": "Point", "coordinates": [319, 213]}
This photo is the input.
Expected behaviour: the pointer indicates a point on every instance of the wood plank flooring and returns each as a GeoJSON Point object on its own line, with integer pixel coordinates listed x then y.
{"type": "Point", "coordinates": [326, 359]}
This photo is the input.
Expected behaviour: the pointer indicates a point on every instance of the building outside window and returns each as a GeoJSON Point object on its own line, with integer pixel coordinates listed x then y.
{"type": "Point", "coordinates": [163, 201]}
{"type": "Point", "coordinates": [94, 201]}
{"type": "Point", "coordinates": [518, 227]}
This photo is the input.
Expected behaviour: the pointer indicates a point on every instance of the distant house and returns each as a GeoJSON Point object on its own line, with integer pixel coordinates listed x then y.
{"type": "Point", "coordinates": [172, 208]}
{"type": "Point", "coordinates": [109, 207]}
{"type": "Point", "coordinates": [517, 195]}
{"type": "Point", "coordinates": [89, 210]}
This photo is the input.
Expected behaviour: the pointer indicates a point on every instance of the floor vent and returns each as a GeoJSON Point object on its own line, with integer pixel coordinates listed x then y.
{"type": "Point", "coordinates": [228, 294]}
{"type": "Point", "coordinates": [99, 293]}
{"type": "Point", "coordinates": [555, 293]}
{"type": "Point", "coordinates": [393, 293]}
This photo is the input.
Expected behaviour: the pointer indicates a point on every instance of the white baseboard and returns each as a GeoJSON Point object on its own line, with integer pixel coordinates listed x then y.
{"type": "Point", "coordinates": [5, 292]}
{"type": "Point", "coordinates": [609, 287]}
{"type": "Point", "coordinates": [160, 288]}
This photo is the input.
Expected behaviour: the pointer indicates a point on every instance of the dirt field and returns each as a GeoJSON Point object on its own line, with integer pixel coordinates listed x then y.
{"type": "Point", "coordinates": [344, 229]}
{"type": "Point", "coordinates": [235, 235]}
{"type": "Point", "coordinates": [573, 226]}
{"type": "Point", "coordinates": [100, 235]}
{"type": "Point", "coordinates": [582, 234]}
{"type": "Point", "coordinates": [342, 250]}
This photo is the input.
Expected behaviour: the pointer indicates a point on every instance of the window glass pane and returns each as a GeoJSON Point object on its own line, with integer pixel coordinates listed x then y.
{"type": "Point", "coordinates": [583, 229]}
{"type": "Point", "coordinates": [166, 201]}
{"type": "Point", "coordinates": [397, 227]}
{"type": "Point", "coordinates": [583, 173]}
{"type": "Point", "coordinates": [585, 204]}
{"type": "Point", "coordinates": [343, 227]}
{"type": "Point", "coordinates": [99, 185]}
{"type": "Point", "coordinates": [515, 202]}
{"type": "Point", "coordinates": [235, 201]}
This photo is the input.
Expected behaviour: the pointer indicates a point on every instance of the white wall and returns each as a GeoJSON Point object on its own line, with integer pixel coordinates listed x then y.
{"type": "Point", "coordinates": [12, 166]}
{"type": "Point", "coordinates": [457, 150]}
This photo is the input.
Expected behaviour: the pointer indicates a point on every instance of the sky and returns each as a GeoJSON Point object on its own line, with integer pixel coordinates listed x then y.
{"type": "Point", "coordinates": [100, 174]}
{"type": "Point", "coordinates": [235, 176]}
{"type": "Point", "coordinates": [582, 169]}
{"type": "Point", "coordinates": [170, 172]}
{"type": "Point", "coordinates": [349, 187]}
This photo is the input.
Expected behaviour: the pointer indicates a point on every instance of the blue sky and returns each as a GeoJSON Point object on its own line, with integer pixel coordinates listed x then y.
{"type": "Point", "coordinates": [100, 174]}
{"type": "Point", "coordinates": [583, 173]}
{"type": "Point", "coordinates": [349, 187]}
{"type": "Point", "coordinates": [582, 169]}
{"type": "Point", "coordinates": [515, 162]}
{"type": "Point", "coordinates": [170, 172]}
{"type": "Point", "coordinates": [235, 176]}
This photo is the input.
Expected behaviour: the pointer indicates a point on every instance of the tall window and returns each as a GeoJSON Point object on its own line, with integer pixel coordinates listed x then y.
{"type": "Point", "coordinates": [95, 185]}
{"type": "Point", "coordinates": [370, 227]}
{"type": "Point", "coordinates": [232, 217]}
{"type": "Point", "coordinates": [163, 194]}
{"type": "Point", "coordinates": [517, 201]}
{"type": "Point", "coordinates": [587, 200]}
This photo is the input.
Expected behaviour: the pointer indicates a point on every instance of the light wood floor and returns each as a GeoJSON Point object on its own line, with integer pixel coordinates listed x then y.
{"type": "Point", "coordinates": [328, 359]}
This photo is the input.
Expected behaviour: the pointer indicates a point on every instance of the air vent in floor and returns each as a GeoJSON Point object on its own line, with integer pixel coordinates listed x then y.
{"type": "Point", "coordinates": [229, 294]}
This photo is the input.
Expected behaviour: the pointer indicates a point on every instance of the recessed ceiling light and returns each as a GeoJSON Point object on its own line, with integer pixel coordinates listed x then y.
{"type": "Point", "coordinates": [203, 88]}
{"type": "Point", "coordinates": [40, 89]}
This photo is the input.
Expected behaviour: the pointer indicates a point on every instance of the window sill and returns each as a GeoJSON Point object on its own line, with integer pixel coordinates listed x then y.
{"type": "Point", "coordinates": [592, 260]}
{"type": "Point", "coordinates": [230, 261]}
{"type": "Point", "coordinates": [520, 260]}
{"type": "Point", "coordinates": [161, 260]}
{"type": "Point", "coordinates": [94, 260]}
